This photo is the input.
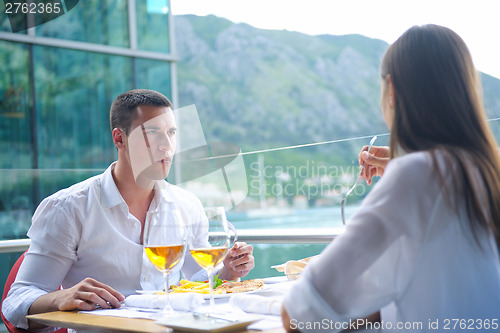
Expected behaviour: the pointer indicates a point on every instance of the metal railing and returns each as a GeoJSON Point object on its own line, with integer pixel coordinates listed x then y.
{"type": "Point", "coordinates": [289, 236]}
{"type": "Point", "coordinates": [14, 245]}
{"type": "Point", "coordinates": [251, 236]}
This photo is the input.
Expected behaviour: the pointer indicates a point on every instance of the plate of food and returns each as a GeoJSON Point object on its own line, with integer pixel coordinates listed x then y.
{"type": "Point", "coordinates": [223, 289]}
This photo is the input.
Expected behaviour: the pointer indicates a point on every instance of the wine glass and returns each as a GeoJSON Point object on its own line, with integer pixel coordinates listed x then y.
{"type": "Point", "coordinates": [211, 254]}
{"type": "Point", "coordinates": [165, 244]}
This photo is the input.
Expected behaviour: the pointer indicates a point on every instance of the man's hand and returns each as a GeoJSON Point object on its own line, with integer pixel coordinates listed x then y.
{"type": "Point", "coordinates": [86, 295]}
{"type": "Point", "coordinates": [239, 261]}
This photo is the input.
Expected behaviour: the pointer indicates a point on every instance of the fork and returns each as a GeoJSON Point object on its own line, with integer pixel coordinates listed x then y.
{"type": "Point", "coordinates": [356, 182]}
{"type": "Point", "coordinates": [233, 229]}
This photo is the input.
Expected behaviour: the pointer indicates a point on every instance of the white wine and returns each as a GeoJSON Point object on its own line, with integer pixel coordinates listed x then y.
{"type": "Point", "coordinates": [209, 257]}
{"type": "Point", "coordinates": [165, 257]}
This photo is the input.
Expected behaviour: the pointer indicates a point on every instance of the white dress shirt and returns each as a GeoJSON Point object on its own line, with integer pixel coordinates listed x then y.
{"type": "Point", "coordinates": [87, 230]}
{"type": "Point", "coordinates": [407, 253]}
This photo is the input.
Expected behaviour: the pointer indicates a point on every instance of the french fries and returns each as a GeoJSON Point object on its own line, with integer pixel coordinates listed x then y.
{"type": "Point", "coordinates": [193, 287]}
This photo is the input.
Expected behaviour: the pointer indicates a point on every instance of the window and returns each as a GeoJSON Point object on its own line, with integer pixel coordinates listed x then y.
{"type": "Point", "coordinates": [74, 91]}
{"type": "Point", "coordinates": [152, 25]}
{"type": "Point", "coordinates": [93, 21]}
{"type": "Point", "coordinates": [153, 74]}
{"type": "Point", "coordinates": [54, 101]}
{"type": "Point", "coordinates": [5, 24]}
{"type": "Point", "coordinates": [16, 155]}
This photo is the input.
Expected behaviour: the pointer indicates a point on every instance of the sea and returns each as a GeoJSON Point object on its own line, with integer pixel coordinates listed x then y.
{"type": "Point", "coordinates": [267, 255]}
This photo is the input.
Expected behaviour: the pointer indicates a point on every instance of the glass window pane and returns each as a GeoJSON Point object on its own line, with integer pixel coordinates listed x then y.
{"type": "Point", "coordinates": [152, 25]}
{"type": "Point", "coordinates": [93, 21]}
{"type": "Point", "coordinates": [16, 154]}
{"type": "Point", "coordinates": [7, 260]}
{"type": "Point", "coordinates": [153, 74]}
{"type": "Point", "coordinates": [74, 91]}
{"type": "Point", "coordinates": [5, 23]}
{"type": "Point", "coordinates": [276, 254]}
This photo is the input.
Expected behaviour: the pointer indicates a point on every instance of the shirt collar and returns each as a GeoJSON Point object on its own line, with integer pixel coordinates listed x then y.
{"type": "Point", "coordinates": [162, 193]}
{"type": "Point", "coordinates": [109, 192]}
{"type": "Point", "coordinates": [111, 195]}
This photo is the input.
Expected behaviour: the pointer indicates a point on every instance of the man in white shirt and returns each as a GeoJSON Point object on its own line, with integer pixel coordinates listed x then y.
{"type": "Point", "coordinates": [88, 237]}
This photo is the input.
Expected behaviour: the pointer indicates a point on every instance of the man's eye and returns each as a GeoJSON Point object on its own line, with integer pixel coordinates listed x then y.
{"type": "Point", "coordinates": [172, 132]}
{"type": "Point", "coordinates": [150, 132]}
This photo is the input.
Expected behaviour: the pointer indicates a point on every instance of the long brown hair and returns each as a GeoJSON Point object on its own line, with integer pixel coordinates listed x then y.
{"type": "Point", "coordinates": [438, 105]}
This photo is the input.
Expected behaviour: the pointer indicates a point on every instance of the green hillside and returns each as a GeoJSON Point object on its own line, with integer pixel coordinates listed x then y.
{"type": "Point", "coordinates": [268, 88]}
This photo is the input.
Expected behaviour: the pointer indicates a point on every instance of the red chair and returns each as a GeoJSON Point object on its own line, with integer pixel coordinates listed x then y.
{"type": "Point", "coordinates": [10, 279]}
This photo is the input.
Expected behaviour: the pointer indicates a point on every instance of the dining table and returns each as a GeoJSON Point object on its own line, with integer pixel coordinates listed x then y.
{"type": "Point", "coordinates": [106, 321]}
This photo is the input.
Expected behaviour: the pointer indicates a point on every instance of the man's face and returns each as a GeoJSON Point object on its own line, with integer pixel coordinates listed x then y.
{"type": "Point", "coordinates": [152, 142]}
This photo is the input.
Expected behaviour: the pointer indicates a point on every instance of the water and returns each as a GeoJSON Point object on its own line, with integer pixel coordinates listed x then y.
{"type": "Point", "coordinates": [267, 255]}
{"type": "Point", "coordinates": [329, 217]}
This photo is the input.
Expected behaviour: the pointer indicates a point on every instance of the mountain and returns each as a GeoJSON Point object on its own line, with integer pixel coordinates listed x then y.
{"type": "Point", "coordinates": [264, 88]}
{"type": "Point", "coordinates": [268, 88]}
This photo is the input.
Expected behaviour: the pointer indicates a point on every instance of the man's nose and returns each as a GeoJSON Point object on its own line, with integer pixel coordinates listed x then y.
{"type": "Point", "coordinates": [166, 142]}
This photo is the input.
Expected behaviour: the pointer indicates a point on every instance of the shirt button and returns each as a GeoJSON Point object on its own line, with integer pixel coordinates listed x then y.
{"type": "Point", "coordinates": [146, 278]}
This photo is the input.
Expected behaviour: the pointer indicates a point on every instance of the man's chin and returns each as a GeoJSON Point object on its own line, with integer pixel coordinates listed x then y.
{"type": "Point", "coordinates": [155, 173]}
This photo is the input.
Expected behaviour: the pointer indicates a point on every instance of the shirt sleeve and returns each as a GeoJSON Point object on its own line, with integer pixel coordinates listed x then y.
{"type": "Point", "coordinates": [48, 260]}
{"type": "Point", "coordinates": [364, 269]}
{"type": "Point", "coordinates": [32, 281]}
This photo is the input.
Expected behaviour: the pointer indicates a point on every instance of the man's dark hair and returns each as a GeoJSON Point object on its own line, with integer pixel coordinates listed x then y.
{"type": "Point", "coordinates": [122, 112]}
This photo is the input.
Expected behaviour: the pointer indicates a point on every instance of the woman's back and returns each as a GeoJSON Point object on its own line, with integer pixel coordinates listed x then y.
{"type": "Point", "coordinates": [454, 275]}
{"type": "Point", "coordinates": [408, 252]}
{"type": "Point", "coordinates": [424, 245]}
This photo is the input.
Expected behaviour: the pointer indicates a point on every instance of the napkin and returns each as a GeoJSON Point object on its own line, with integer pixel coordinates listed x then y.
{"type": "Point", "coordinates": [257, 304]}
{"type": "Point", "coordinates": [293, 268]}
{"type": "Point", "coordinates": [182, 302]}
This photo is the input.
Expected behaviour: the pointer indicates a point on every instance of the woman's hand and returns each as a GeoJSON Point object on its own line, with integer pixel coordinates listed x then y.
{"type": "Point", "coordinates": [373, 162]}
{"type": "Point", "coordinates": [286, 320]}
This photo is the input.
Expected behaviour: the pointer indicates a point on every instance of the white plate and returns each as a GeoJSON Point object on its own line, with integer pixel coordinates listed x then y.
{"type": "Point", "coordinates": [148, 292]}
{"type": "Point", "coordinates": [205, 296]}
{"type": "Point", "coordinates": [188, 323]}
{"type": "Point", "coordinates": [275, 279]}
{"type": "Point", "coordinates": [216, 296]}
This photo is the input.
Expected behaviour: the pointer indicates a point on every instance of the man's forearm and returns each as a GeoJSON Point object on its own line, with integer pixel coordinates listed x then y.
{"type": "Point", "coordinates": [44, 303]}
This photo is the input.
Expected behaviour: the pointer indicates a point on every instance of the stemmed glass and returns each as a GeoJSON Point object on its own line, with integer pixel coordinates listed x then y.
{"type": "Point", "coordinates": [211, 254]}
{"type": "Point", "coordinates": [165, 238]}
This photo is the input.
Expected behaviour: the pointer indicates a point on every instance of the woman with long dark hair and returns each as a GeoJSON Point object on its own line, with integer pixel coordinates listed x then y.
{"type": "Point", "coordinates": [423, 248]}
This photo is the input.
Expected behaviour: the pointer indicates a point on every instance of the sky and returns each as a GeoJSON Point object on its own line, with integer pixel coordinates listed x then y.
{"type": "Point", "coordinates": [476, 21]}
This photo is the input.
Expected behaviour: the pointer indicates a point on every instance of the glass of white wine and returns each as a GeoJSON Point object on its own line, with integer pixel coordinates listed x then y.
{"type": "Point", "coordinates": [211, 254]}
{"type": "Point", "coordinates": [165, 237]}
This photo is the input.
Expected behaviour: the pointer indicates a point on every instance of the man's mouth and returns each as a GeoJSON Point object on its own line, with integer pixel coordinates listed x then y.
{"type": "Point", "coordinates": [166, 160]}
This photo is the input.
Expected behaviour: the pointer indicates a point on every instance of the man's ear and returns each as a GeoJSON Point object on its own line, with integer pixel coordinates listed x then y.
{"type": "Point", "coordinates": [118, 138]}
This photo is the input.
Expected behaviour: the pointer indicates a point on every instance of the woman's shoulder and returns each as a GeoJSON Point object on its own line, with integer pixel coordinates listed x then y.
{"type": "Point", "coordinates": [418, 161]}
{"type": "Point", "coordinates": [421, 169]}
